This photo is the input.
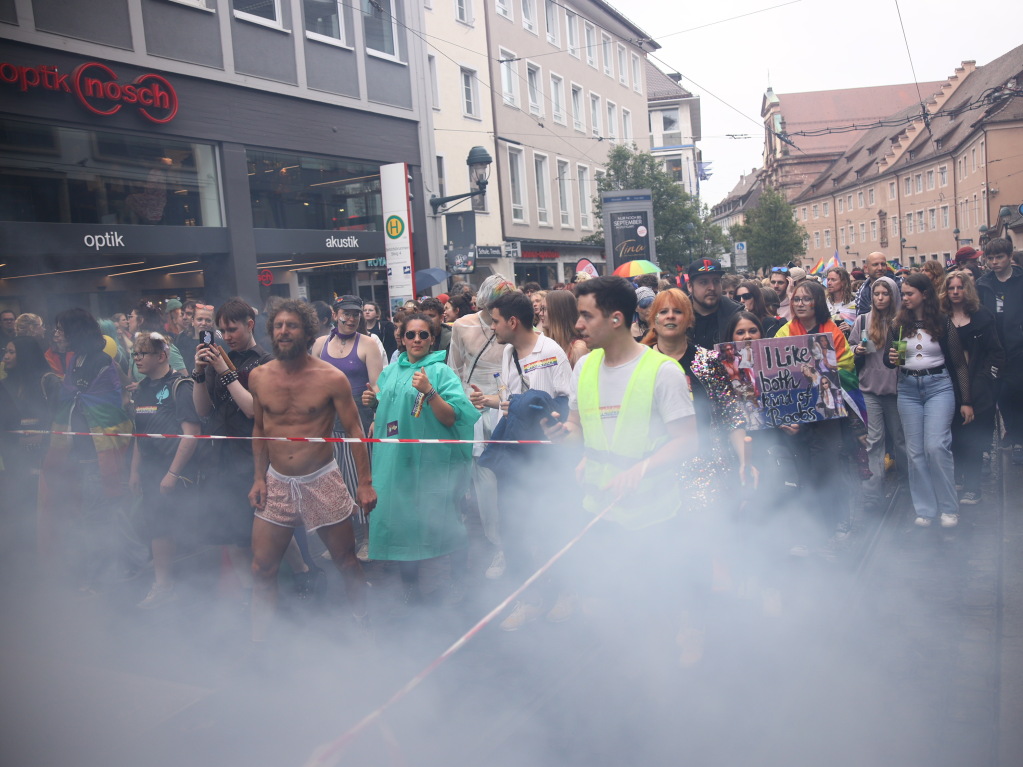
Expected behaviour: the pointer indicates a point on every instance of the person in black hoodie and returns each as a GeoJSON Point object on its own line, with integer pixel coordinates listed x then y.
{"type": "Point", "coordinates": [1002, 294]}
{"type": "Point", "coordinates": [711, 308]}
{"type": "Point", "coordinates": [976, 328]}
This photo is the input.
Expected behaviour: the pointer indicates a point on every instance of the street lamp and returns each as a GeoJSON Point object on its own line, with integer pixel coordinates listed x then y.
{"type": "Point", "coordinates": [955, 233]}
{"type": "Point", "coordinates": [479, 161]}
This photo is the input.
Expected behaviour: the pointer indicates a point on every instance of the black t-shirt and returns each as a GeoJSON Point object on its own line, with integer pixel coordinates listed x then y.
{"type": "Point", "coordinates": [229, 419]}
{"type": "Point", "coordinates": [160, 408]}
{"type": "Point", "coordinates": [705, 330]}
{"type": "Point", "coordinates": [187, 346]}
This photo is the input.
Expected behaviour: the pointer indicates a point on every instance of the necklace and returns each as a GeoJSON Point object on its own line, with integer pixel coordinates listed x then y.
{"type": "Point", "coordinates": [344, 342]}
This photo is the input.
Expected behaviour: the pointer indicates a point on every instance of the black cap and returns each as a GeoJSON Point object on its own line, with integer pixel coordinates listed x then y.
{"type": "Point", "coordinates": [705, 266]}
{"type": "Point", "coordinates": [348, 303]}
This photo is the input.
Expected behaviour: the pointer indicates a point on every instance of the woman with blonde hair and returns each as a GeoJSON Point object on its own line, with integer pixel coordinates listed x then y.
{"type": "Point", "coordinates": [975, 325]}
{"type": "Point", "coordinates": [879, 385]}
{"type": "Point", "coordinates": [841, 303]}
{"type": "Point", "coordinates": [561, 314]}
{"type": "Point", "coordinates": [936, 272]}
{"type": "Point", "coordinates": [28, 324]}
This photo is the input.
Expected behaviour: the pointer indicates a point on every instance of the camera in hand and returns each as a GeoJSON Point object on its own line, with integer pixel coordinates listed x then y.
{"type": "Point", "coordinates": [206, 337]}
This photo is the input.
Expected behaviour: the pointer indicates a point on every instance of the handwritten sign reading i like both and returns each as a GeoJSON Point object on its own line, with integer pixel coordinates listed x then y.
{"type": "Point", "coordinates": [784, 381]}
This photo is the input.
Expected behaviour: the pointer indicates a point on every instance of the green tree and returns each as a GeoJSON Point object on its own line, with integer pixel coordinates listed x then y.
{"type": "Point", "coordinates": [772, 235]}
{"type": "Point", "coordinates": [681, 224]}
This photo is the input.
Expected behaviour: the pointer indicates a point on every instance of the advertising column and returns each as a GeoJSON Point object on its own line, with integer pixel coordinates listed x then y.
{"type": "Point", "coordinates": [397, 237]}
{"type": "Point", "coordinates": [628, 226]}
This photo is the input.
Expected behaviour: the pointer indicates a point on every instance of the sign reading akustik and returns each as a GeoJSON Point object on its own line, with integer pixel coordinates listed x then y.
{"type": "Point", "coordinates": [98, 88]}
{"type": "Point", "coordinates": [397, 240]}
{"type": "Point", "coordinates": [628, 227]}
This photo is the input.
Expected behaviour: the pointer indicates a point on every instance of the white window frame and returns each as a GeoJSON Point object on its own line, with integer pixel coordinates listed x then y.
{"type": "Point", "coordinates": [932, 219]}
{"type": "Point", "coordinates": [504, 8]}
{"type": "Point", "coordinates": [552, 12]}
{"type": "Point", "coordinates": [582, 177]}
{"type": "Point", "coordinates": [607, 51]}
{"type": "Point", "coordinates": [825, 209]}
{"type": "Point", "coordinates": [341, 40]}
{"type": "Point", "coordinates": [840, 204]}
{"type": "Point", "coordinates": [542, 180]}
{"type": "Point", "coordinates": [590, 43]}
{"type": "Point", "coordinates": [920, 225]}
{"type": "Point", "coordinates": [852, 234]}
{"type": "Point", "coordinates": [873, 230]}
{"type": "Point", "coordinates": [534, 88]}
{"type": "Point", "coordinates": [528, 12]}
{"type": "Point", "coordinates": [918, 183]}
{"type": "Point", "coordinates": [863, 231]}
{"type": "Point", "coordinates": [517, 192]}
{"type": "Point", "coordinates": [815, 210]}
{"type": "Point", "coordinates": [394, 35]}
{"type": "Point", "coordinates": [944, 216]}
{"type": "Point", "coordinates": [943, 175]}
{"type": "Point", "coordinates": [930, 179]}
{"type": "Point", "coordinates": [817, 240]}
{"type": "Point", "coordinates": [199, 5]}
{"type": "Point", "coordinates": [558, 111]}
{"type": "Point", "coordinates": [827, 238]}
{"type": "Point", "coordinates": [572, 33]}
{"type": "Point", "coordinates": [612, 121]}
{"type": "Point", "coordinates": [623, 65]}
{"type": "Point", "coordinates": [841, 236]}
{"type": "Point", "coordinates": [849, 203]}
{"type": "Point", "coordinates": [893, 190]}
{"type": "Point", "coordinates": [871, 197]}
{"type": "Point", "coordinates": [907, 186]}
{"type": "Point", "coordinates": [277, 22]}
{"type": "Point", "coordinates": [468, 84]}
{"type": "Point", "coordinates": [578, 107]}
{"type": "Point", "coordinates": [859, 199]}
{"type": "Point", "coordinates": [509, 77]}
{"type": "Point", "coordinates": [909, 223]}
{"type": "Point", "coordinates": [463, 12]}
{"type": "Point", "coordinates": [637, 74]}
{"type": "Point", "coordinates": [564, 168]}
{"type": "Point", "coordinates": [627, 134]}
{"type": "Point", "coordinates": [596, 118]}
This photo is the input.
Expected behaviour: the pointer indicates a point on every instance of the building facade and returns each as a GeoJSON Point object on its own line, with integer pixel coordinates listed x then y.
{"type": "Point", "coordinates": [731, 211]}
{"type": "Point", "coordinates": [567, 81]}
{"type": "Point", "coordinates": [919, 189]}
{"type": "Point", "coordinates": [206, 148]}
{"type": "Point", "coordinates": [674, 128]}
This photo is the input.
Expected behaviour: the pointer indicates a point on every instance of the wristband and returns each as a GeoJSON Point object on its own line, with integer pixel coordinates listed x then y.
{"type": "Point", "coordinates": [198, 377]}
{"type": "Point", "coordinates": [228, 377]}
{"type": "Point", "coordinates": [431, 394]}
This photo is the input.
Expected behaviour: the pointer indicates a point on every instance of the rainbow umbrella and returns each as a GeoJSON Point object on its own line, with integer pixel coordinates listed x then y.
{"type": "Point", "coordinates": [636, 268]}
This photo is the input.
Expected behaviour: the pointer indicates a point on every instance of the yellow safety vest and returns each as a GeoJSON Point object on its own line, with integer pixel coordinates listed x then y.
{"type": "Point", "coordinates": [658, 498]}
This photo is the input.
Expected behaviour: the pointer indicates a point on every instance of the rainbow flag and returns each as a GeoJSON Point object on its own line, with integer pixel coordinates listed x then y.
{"type": "Point", "coordinates": [818, 268]}
{"type": "Point", "coordinates": [833, 262]}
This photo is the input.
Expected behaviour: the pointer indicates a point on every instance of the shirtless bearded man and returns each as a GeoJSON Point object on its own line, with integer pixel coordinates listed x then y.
{"type": "Point", "coordinates": [297, 395]}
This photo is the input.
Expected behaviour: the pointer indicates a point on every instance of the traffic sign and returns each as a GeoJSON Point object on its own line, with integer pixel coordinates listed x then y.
{"type": "Point", "coordinates": [740, 255]}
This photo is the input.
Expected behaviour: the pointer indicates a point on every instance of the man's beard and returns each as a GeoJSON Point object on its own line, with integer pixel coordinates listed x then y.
{"type": "Point", "coordinates": [286, 355]}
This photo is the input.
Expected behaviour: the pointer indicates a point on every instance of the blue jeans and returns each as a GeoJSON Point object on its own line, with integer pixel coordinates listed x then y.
{"type": "Point", "coordinates": [926, 407]}
{"type": "Point", "coordinates": [882, 420]}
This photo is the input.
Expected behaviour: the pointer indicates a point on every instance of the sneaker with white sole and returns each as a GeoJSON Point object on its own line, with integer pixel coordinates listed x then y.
{"type": "Point", "coordinates": [523, 613]}
{"type": "Point", "coordinates": [970, 499]}
{"type": "Point", "coordinates": [922, 522]}
{"type": "Point", "coordinates": [158, 596]}
{"type": "Point", "coordinates": [562, 610]}
{"type": "Point", "coordinates": [949, 520]}
{"type": "Point", "coordinates": [496, 569]}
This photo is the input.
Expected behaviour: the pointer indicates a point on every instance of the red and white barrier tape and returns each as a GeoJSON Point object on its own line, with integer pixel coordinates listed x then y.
{"type": "Point", "coordinates": [329, 753]}
{"type": "Point", "coordinates": [374, 440]}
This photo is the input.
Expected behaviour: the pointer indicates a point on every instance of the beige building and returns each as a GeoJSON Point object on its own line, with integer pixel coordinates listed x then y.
{"type": "Point", "coordinates": [674, 124]}
{"type": "Point", "coordinates": [732, 210]}
{"type": "Point", "coordinates": [918, 189]}
{"type": "Point", "coordinates": [462, 119]}
{"type": "Point", "coordinates": [567, 82]}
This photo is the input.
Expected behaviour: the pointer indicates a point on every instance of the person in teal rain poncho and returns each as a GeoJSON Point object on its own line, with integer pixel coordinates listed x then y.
{"type": "Point", "coordinates": [417, 516]}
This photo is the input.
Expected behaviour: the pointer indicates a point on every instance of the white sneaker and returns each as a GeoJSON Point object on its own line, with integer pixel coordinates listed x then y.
{"type": "Point", "coordinates": [496, 569]}
{"type": "Point", "coordinates": [520, 616]}
{"type": "Point", "coordinates": [363, 553]}
{"type": "Point", "coordinates": [562, 610]}
{"type": "Point", "coordinates": [158, 596]}
{"type": "Point", "coordinates": [923, 522]}
{"type": "Point", "coordinates": [949, 520]}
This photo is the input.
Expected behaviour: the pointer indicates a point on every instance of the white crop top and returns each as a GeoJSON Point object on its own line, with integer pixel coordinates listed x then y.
{"type": "Point", "coordinates": [923, 352]}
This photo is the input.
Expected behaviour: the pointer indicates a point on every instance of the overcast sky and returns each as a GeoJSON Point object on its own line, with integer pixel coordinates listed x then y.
{"type": "Point", "coordinates": [808, 45]}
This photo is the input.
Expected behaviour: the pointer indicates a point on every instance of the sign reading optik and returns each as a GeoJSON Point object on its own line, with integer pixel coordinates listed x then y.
{"type": "Point", "coordinates": [108, 240]}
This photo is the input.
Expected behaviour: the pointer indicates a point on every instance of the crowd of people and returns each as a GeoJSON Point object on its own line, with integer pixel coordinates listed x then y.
{"type": "Point", "coordinates": [641, 388]}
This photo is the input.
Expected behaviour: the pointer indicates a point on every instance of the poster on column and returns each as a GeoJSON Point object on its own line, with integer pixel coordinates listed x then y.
{"type": "Point", "coordinates": [628, 227]}
{"type": "Point", "coordinates": [397, 237]}
{"type": "Point", "coordinates": [784, 381]}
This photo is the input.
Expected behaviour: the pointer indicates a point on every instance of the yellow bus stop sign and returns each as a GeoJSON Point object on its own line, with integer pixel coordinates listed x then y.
{"type": "Point", "coordinates": [394, 227]}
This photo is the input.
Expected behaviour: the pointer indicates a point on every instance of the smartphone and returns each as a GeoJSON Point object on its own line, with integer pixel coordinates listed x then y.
{"type": "Point", "coordinates": [206, 338]}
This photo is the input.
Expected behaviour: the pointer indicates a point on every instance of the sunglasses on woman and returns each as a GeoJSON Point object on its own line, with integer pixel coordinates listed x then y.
{"type": "Point", "coordinates": [422, 335]}
{"type": "Point", "coordinates": [743, 296]}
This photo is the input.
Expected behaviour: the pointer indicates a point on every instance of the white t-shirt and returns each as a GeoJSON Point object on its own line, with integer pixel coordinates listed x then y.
{"type": "Point", "coordinates": [672, 400]}
{"type": "Point", "coordinates": [546, 368]}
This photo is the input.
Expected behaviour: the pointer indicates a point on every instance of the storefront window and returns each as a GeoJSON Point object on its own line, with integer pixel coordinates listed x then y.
{"type": "Point", "coordinates": [293, 192]}
{"type": "Point", "coordinates": [69, 176]}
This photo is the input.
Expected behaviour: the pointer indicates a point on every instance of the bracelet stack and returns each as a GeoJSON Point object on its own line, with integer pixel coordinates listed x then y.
{"type": "Point", "coordinates": [431, 394]}
{"type": "Point", "coordinates": [198, 377]}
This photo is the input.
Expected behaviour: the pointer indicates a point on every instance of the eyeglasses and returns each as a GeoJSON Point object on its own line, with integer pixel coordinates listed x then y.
{"type": "Point", "coordinates": [422, 335]}
{"type": "Point", "coordinates": [140, 355]}
{"type": "Point", "coordinates": [744, 296]}
{"type": "Point", "coordinates": [801, 300]}
{"type": "Point", "coordinates": [782, 269]}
